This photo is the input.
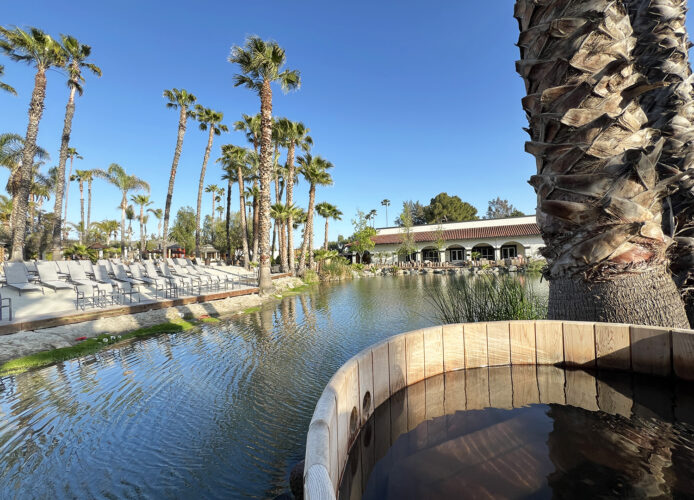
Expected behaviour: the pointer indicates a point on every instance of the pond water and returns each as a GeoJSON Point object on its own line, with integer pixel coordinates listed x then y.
{"type": "Point", "coordinates": [527, 432]}
{"type": "Point", "coordinates": [218, 412]}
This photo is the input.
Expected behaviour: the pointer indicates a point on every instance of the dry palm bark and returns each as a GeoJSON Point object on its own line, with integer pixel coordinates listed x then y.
{"type": "Point", "coordinates": [661, 53]}
{"type": "Point", "coordinates": [599, 195]}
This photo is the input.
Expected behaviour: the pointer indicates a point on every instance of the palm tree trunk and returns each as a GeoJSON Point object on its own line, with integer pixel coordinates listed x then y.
{"type": "Point", "coordinates": [256, 222]}
{"type": "Point", "coordinates": [244, 223]}
{"type": "Point", "coordinates": [290, 201]}
{"type": "Point", "coordinates": [89, 204]}
{"type": "Point", "coordinates": [21, 198]}
{"type": "Point", "coordinates": [174, 165]}
{"type": "Point", "coordinates": [60, 178]}
{"type": "Point", "coordinates": [142, 231]}
{"type": "Point", "coordinates": [123, 205]}
{"type": "Point", "coordinates": [308, 229]}
{"type": "Point", "coordinates": [67, 192]}
{"type": "Point", "coordinates": [264, 279]}
{"type": "Point", "coordinates": [325, 243]}
{"type": "Point", "coordinates": [228, 222]}
{"type": "Point", "coordinates": [200, 187]}
{"type": "Point", "coordinates": [81, 184]}
{"type": "Point", "coordinates": [283, 248]}
{"type": "Point", "coordinates": [599, 198]}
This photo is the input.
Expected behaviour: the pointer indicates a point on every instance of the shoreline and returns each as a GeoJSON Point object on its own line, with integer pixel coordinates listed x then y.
{"type": "Point", "coordinates": [30, 349]}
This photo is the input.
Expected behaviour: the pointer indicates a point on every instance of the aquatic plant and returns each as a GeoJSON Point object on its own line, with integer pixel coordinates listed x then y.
{"type": "Point", "coordinates": [486, 298]}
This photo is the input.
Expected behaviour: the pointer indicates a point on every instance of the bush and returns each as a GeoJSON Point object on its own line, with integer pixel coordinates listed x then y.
{"type": "Point", "coordinates": [310, 277]}
{"type": "Point", "coordinates": [335, 268]}
{"type": "Point", "coordinates": [486, 298]}
{"type": "Point", "coordinates": [536, 265]}
{"type": "Point", "coordinates": [357, 267]}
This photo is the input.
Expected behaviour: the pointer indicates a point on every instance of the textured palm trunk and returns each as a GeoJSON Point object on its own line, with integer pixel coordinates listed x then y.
{"type": "Point", "coordinates": [244, 222]}
{"type": "Point", "coordinates": [60, 178]}
{"type": "Point", "coordinates": [290, 202]}
{"type": "Point", "coordinates": [599, 196]}
{"type": "Point", "coordinates": [325, 243]}
{"type": "Point", "coordinates": [264, 279]}
{"type": "Point", "coordinates": [662, 54]}
{"type": "Point", "coordinates": [311, 262]}
{"type": "Point", "coordinates": [256, 222]}
{"type": "Point", "coordinates": [142, 231]}
{"type": "Point", "coordinates": [200, 187]}
{"type": "Point", "coordinates": [21, 197]}
{"type": "Point", "coordinates": [283, 249]}
{"type": "Point", "coordinates": [308, 229]}
{"type": "Point", "coordinates": [123, 206]}
{"type": "Point", "coordinates": [81, 184]}
{"type": "Point", "coordinates": [172, 178]}
{"type": "Point", "coordinates": [89, 204]}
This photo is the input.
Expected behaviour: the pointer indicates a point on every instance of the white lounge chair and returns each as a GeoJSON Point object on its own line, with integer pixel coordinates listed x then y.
{"type": "Point", "coordinates": [18, 278]}
{"type": "Point", "coordinates": [48, 277]}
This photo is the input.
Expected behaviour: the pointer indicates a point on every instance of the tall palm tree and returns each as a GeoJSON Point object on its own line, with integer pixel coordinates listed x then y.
{"type": "Point", "coordinates": [11, 151]}
{"type": "Point", "coordinates": [4, 86]}
{"type": "Point", "coordinates": [158, 214]}
{"type": "Point", "coordinates": [261, 64]}
{"type": "Point", "coordinates": [372, 216]}
{"type": "Point", "coordinates": [143, 201]}
{"type": "Point", "coordinates": [296, 134]}
{"type": "Point", "coordinates": [315, 171]}
{"type": "Point", "coordinates": [211, 119]}
{"type": "Point", "coordinates": [110, 228]}
{"type": "Point", "coordinates": [328, 211]}
{"type": "Point", "coordinates": [72, 154]}
{"type": "Point", "coordinates": [233, 162]}
{"type": "Point", "coordinates": [118, 177]}
{"type": "Point", "coordinates": [599, 194]}
{"type": "Point", "coordinates": [280, 212]}
{"type": "Point", "coordinates": [130, 216]}
{"type": "Point", "coordinates": [77, 55]}
{"type": "Point", "coordinates": [80, 178]}
{"type": "Point", "coordinates": [40, 50]}
{"type": "Point", "coordinates": [218, 198]}
{"type": "Point", "coordinates": [386, 203]}
{"type": "Point", "coordinates": [181, 100]}
{"type": "Point", "coordinates": [212, 189]}
{"type": "Point", "coordinates": [89, 176]}
{"type": "Point", "coordinates": [250, 126]}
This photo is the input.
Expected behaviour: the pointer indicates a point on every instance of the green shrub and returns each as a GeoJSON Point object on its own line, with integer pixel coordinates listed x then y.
{"type": "Point", "coordinates": [486, 298]}
{"type": "Point", "coordinates": [310, 277]}
{"type": "Point", "coordinates": [335, 268]}
{"type": "Point", "coordinates": [358, 267]}
{"type": "Point", "coordinates": [536, 265]}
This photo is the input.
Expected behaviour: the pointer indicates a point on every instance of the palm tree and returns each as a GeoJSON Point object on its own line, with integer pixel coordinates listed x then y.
{"type": "Point", "coordinates": [4, 86]}
{"type": "Point", "coordinates": [72, 154]}
{"type": "Point", "coordinates": [250, 126]}
{"type": "Point", "coordinates": [386, 203]}
{"type": "Point", "coordinates": [212, 119]}
{"type": "Point", "coordinates": [598, 189]}
{"type": "Point", "coordinates": [40, 50]}
{"type": "Point", "coordinates": [130, 216]}
{"type": "Point", "coordinates": [218, 198]}
{"type": "Point", "coordinates": [212, 189]}
{"type": "Point", "coordinates": [77, 55]}
{"type": "Point", "coordinates": [296, 134]}
{"type": "Point", "coordinates": [181, 100]}
{"type": "Point", "coordinates": [158, 214]}
{"type": "Point", "coordinates": [89, 176]}
{"type": "Point", "coordinates": [110, 228]}
{"type": "Point", "coordinates": [143, 201]}
{"type": "Point", "coordinates": [233, 162]}
{"type": "Point", "coordinates": [11, 151]}
{"type": "Point", "coordinates": [328, 211]}
{"type": "Point", "coordinates": [261, 64]}
{"type": "Point", "coordinates": [371, 216]}
{"type": "Point", "coordinates": [117, 176]}
{"type": "Point", "coordinates": [315, 171]}
{"type": "Point", "coordinates": [79, 177]}
{"type": "Point", "coordinates": [280, 213]}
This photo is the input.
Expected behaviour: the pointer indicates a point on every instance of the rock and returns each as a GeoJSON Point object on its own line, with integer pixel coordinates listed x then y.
{"type": "Point", "coordinates": [512, 269]}
{"type": "Point", "coordinates": [296, 480]}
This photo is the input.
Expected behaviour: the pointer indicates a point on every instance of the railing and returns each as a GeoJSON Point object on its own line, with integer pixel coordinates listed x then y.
{"type": "Point", "coordinates": [372, 376]}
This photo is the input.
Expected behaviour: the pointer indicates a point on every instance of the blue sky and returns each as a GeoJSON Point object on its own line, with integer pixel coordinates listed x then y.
{"type": "Point", "coordinates": [407, 99]}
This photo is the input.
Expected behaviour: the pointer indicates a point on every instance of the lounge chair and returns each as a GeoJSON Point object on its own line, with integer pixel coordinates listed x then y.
{"type": "Point", "coordinates": [6, 303]}
{"type": "Point", "coordinates": [201, 279]}
{"type": "Point", "coordinates": [107, 264]}
{"type": "Point", "coordinates": [168, 287]}
{"type": "Point", "coordinates": [124, 288]}
{"type": "Point", "coordinates": [31, 270]}
{"type": "Point", "coordinates": [122, 275]}
{"type": "Point", "coordinates": [17, 278]}
{"type": "Point", "coordinates": [62, 267]}
{"type": "Point", "coordinates": [87, 266]}
{"type": "Point", "coordinates": [94, 294]}
{"type": "Point", "coordinates": [48, 276]}
{"type": "Point", "coordinates": [184, 283]}
{"type": "Point", "coordinates": [78, 276]}
{"type": "Point", "coordinates": [201, 270]}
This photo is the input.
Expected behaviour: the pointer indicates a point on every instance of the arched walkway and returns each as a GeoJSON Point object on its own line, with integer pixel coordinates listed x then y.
{"type": "Point", "coordinates": [455, 254]}
{"type": "Point", "coordinates": [512, 249]}
{"type": "Point", "coordinates": [484, 250]}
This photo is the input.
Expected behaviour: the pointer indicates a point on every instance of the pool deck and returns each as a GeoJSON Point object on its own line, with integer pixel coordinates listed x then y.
{"type": "Point", "coordinates": [29, 308]}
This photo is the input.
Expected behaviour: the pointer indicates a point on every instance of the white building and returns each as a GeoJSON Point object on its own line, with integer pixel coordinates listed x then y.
{"type": "Point", "coordinates": [492, 239]}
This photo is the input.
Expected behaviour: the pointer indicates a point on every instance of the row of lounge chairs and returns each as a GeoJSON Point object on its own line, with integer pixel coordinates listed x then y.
{"type": "Point", "coordinates": [111, 281]}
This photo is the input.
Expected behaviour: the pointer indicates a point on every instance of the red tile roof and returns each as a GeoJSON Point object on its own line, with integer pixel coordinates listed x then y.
{"type": "Point", "coordinates": [473, 233]}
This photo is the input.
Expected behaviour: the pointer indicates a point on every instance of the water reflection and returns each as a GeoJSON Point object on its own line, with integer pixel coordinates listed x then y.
{"type": "Point", "coordinates": [217, 412]}
{"type": "Point", "coordinates": [520, 432]}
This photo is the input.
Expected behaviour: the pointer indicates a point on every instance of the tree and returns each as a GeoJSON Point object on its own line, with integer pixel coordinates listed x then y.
{"type": "Point", "coordinates": [501, 209]}
{"type": "Point", "coordinates": [118, 177]}
{"type": "Point", "coordinates": [72, 154]}
{"type": "Point", "coordinates": [11, 151]}
{"type": "Point", "coordinates": [362, 240]}
{"type": "Point", "coordinates": [371, 216]}
{"type": "Point", "coordinates": [449, 209]}
{"type": "Point", "coordinates": [407, 246]}
{"type": "Point", "coordinates": [76, 57]}
{"type": "Point", "coordinates": [80, 181]}
{"type": "Point", "coordinates": [234, 162]}
{"type": "Point", "coordinates": [261, 64]}
{"type": "Point", "coordinates": [158, 214]}
{"type": "Point", "coordinates": [599, 193]}
{"type": "Point", "coordinates": [250, 125]}
{"type": "Point", "coordinates": [211, 119]}
{"type": "Point", "coordinates": [40, 50]}
{"type": "Point", "coordinates": [89, 176]}
{"type": "Point", "coordinates": [280, 212]}
{"type": "Point", "coordinates": [142, 200]}
{"type": "Point", "coordinates": [328, 211]}
{"type": "Point", "coordinates": [386, 203]}
{"type": "Point", "coordinates": [416, 213]}
{"type": "Point", "coordinates": [183, 229]}
{"type": "Point", "coordinates": [181, 100]}
{"type": "Point", "coordinates": [315, 171]}
{"type": "Point", "coordinates": [4, 86]}
{"type": "Point", "coordinates": [440, 240]}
